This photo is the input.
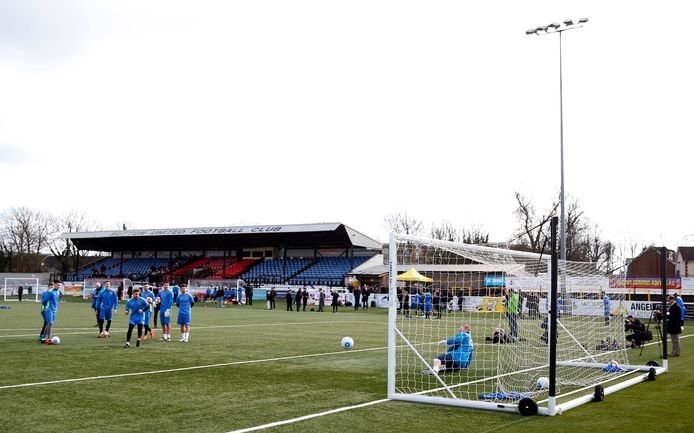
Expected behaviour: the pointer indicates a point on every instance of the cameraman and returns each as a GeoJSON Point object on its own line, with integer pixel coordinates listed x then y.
{"type": "Point", "coordinates": [639, 331]}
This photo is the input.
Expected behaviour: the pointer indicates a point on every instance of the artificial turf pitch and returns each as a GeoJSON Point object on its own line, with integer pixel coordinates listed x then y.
{"type": "Point", "coordinates": [245, 367]}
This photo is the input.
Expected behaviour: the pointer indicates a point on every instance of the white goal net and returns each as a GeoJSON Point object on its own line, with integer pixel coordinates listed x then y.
{"type": "Point", "coordinates": [116, 283]}
{"type": "Point", "coordinates": [503, 296]}
{"type": "Point", "coordinates": [235, 288]}
{"type": "Point", "coordinates": [27, 287]}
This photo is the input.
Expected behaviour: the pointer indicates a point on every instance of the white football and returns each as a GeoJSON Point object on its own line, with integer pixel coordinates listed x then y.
{"type": "Point", "coordinates": [55, 340]}
{"type": "Point", "coordinates": [542, 383]}
{"type": "Point", "coordinates": [347, 342]}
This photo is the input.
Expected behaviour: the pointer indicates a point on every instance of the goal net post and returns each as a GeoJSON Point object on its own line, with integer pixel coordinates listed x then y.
{"type": "Point", "coordinates": [90, 285]}
{"type": "Point", "coordinates": [493, 351]}
{"type": "Point", "coordinates": [28, 286]}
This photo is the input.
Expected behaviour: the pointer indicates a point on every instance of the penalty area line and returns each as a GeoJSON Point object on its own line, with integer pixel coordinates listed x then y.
{"type": "Point", "coordinates": [306, 417]}
{"type": "Point", "coordinates": [259, 325]}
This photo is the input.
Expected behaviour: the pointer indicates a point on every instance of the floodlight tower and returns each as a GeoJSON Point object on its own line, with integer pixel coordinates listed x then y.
{"type": "Point", "coordinates": [545, 30]}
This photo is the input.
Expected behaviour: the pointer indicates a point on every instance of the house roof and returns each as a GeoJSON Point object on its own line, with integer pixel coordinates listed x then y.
{"type": "Point", "coordinates": [687, 253]}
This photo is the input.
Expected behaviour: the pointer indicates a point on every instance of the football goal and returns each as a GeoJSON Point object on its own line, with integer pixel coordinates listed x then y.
{"type": "Point", "coordinates": [90, 285]}
{"type": "Point", "coordinates": [528, 334]}
{"type": "Point", "coordinates": [29, 288]}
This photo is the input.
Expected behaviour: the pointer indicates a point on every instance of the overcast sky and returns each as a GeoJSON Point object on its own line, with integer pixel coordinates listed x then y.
{"type": "Point", "coordinates": [200, 113]}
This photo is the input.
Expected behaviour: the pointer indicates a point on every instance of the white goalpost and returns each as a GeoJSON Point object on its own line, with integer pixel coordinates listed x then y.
{"type": "Point", "coordinates": [201, 286]}
{"type": "Point", "coordinates": [90, 285]}
{"type": "Point", "coordinates": [519, 357]}
{"type": "Point", "coordinates": [29, 288]}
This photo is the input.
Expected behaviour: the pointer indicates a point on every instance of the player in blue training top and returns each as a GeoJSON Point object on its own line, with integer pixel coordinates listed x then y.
{"type": "Point", "coordinates": [165, 300]}
{"type": "Point", "coordinates": [148, 296]}
{"type": "Point", "coordinates": [457, 356]}
{"type": "Point", "coordinates": [49, 309]}
{"type": "Point", "coordinates": [95, 295]}
{"type": "Point", "coordinates": [679, 301]}
{"type": "Point", "coordinates": [185, 302]}
{"type": "Point", "coordinates": [107, 304]}
{"type": "Point", "coordinates": [427, 305]}
{"type": "Point", "coordinates": [606, 308]}
{"type": "Point", "coordinates": [137, 306]}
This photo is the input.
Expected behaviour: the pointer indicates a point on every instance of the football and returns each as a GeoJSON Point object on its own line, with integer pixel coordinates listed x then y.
{"type": "Point", "coordinates": [55, 340]}
{"type": "Point", "coordinates": [347, 342]}
{"type": "Point", "coordinates": [542, 383]}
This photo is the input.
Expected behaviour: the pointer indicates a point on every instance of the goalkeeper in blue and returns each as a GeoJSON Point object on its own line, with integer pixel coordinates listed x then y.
{"type": "Point", "coordinates": [185, 302]}
{"type": "Point", "coordinates": [137, 307]}
{"type": "Point", "coordinates": [49, 309]}
{"type": "Point", "coordinates": [458, 355]}
{"type": "Point", "coordinates": [148, 296]}
{"type": "Point", "coordinates": [106, 304]}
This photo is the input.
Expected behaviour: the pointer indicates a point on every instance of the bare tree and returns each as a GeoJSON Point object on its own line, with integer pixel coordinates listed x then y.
{"type": "Point", "coordinates": [475, 235]}
{"type": "Point", "coordinates": [531, 226]}
{"type": "Point", "coordinates": [445, 231]}
{"type": "Point", "coordinates": [403, 224]}
{"type": "Point", "coordinates": [577, 245]}
{"type": "Point", "coordinates": [25, 233]}
{"type": "Point", "coordinates": [598, 250]}
{"type": "Point", "coordinates": [63, 249]}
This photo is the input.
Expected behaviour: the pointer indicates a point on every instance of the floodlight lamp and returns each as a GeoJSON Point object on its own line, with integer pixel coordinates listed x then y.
{"type": "Point", "coordinates": [542, 28]}
{"type": "Point", "coordinates": [530, 32]}
{"type": "Point", "coordinates": [569, 22]}
{"type": "Point", "coordinates": [554, 25]}
{"type": "Point", "coordinates": [582, 20]}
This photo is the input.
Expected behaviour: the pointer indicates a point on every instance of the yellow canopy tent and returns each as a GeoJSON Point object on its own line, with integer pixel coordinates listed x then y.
{"type": "Point", "coordinates": [413, 275]}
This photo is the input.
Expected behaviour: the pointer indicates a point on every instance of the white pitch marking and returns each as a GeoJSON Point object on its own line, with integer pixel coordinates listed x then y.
{"type": "Point", "coordinates": [55, 330]}
{"type": "Point", "coordinates": [305, 417]}
{"type": "Point", "coordinates": [197, 367]}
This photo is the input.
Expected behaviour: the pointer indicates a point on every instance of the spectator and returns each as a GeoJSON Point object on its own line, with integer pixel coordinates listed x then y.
{"type": "Point", "coordinates": [249, 294]}
{"type": "Point", "coordinates": [499, 337]}
{"type": "Point", "coordinates": [297, 300]}
{"type": "Point", "coordinates": [321, 300]}
{"type": "Point", "coordinates": [273, 296]}
{"type": "Point", "coordinates": [437, 303]}
{"type": "Point", "coordinates": [357, 298]}
{"type": "Point", "coordinates": [336, 301]}
{"type": "Point", "coordinates": [365, 298]}
{"type": "Point", "coordinates": [304, 297]}
{"type": "Point", "coordinates": [673, 325]}
{"type": "Point", "coordinates": [288, 297]}
{"type": "Point", "coordinates": [220, 297]}
{"type": "Point", "coordinates": [639, 331]}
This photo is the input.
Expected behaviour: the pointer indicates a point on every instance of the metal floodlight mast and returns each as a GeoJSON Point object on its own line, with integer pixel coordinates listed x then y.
{"type": "Point", "coordinates": [545, 30]}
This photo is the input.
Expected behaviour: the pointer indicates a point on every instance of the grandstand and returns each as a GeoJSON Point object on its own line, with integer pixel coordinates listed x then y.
{"type": "Point", "coordinates": [300, 254]}
{"type": "Point", "coordinates": [328, 271]}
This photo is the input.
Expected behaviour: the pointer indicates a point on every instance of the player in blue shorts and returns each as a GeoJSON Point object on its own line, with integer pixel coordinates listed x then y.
{"type": "Point", "coordinates": [165, 301]}
{"type": "Point", "coordinates": [148, 296]}
{"type": "Point", "coordinates": [137, 306]}
{"type": "Point", "coordinates": [185, 302]}
{"type": "Point", "coordinates": [427, 305]}
{"type": "Point", "coordinates": [95, 295]}
{"type": "Point", "coordinates": [107, 304]}
{"type": "Point", "coordinates": [49, 309]}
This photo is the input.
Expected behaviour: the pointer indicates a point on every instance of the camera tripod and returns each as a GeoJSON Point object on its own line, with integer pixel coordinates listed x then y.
{"type": "Point", "coordinates": [656, 315]}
